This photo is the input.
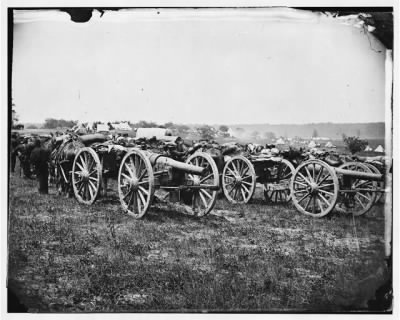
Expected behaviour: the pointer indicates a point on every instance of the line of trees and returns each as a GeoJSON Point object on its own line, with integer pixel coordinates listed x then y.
{"type": "Point", "coordinates": [52, 123]}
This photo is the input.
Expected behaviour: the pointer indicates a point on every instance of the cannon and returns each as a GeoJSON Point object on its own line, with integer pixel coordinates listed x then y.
{"type": "Point", "coordinates": [318, 188]}
{"type": "Point", "coordinates": [139, 173]}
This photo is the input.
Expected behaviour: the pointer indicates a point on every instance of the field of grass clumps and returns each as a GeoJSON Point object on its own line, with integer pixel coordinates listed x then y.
{"type": "Point", "coordinates": [66, 257]}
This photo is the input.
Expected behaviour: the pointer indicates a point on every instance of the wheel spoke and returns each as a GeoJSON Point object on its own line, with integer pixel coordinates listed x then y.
{"type": "Point", "coordinates": [248, 183]}
{"type": "Point", "coordinates": [245, 188]}
{"type": "Point", "coordinates": [94, 179]}
{"type": "Point", "coordinates": [138, 201]}
{"type": "Point", "coordinates": [127, 194]}
{"type": "Point", "coordinates": [324, 199]}
{"type": "Point", "coordinates": [144, 191]}
{"type": "Point", "coordinates": [304, 178]}
{"type": "Point", "coordinates": [92, 185]}
{"type": "Point", "coordinates": [320, 206]}
{"type": "Point", "coordinates": [364, 196]}
{"type": "Point", "coordinates": [301, 183]}
{"type": "Point", "coordinates": [129, 170]}
{"type": "Point", "coordinates": [308, 174]}
{"type": "Point", "coordinates": [325, 192]}
{"type": "Point", "coordinates": [80, 187]}
{"type": "Point", "coordinates": [243, 194]}
{"type": "Point", "coordinates": [327, 185]}
{"type": "Point", "coordinates": [234, 168]}
{"type": "Point", "coordinates": [125, 176]}
{"type": "Point", "coordinates": [90, 191]}
{"type": "Point", "coordinates": [203, 199]}
{"type": "Point", "coordinates": [80, 167]}
{"type": "Point", "coordinates": [304, 197]}
{"type": "Point", "coordinates": [308, 202]}
{"type": "Point", "coordinates": [236, 191]}
{"type": "Point", "coordinates": [93, 171]}
{"type": "Point", "coordinates": [130, 198]}
{"type": "Point", "coordinates": [358, 199]}
{"type": "Point", "coordinates": [300, 191]}
{"type": "Point", "coordinates": [361, 183]}
{"type": "Point", "coordinates": [132, 167]}
{"type": "Point", "coordinates": [206, 178]}
{"type": "Point", "coordinates": [230, 171]}
{"type": "Point", "coordinates": [206, 193]}
{"type": "Point", "coordinates": [319, 174]}
{"type": "Point", "coordinates": [143, 182]}
{"type": "Point", "coordinates": [324, 178]}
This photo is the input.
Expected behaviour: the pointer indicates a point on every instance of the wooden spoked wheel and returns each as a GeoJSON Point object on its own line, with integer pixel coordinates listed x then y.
{"type": "Point", "coordinates": [358, 196]}
{"type": "Point", "coordinates": [238, 180]}
{"type": "Point", "coordinates": [380, 184]}
{"type": "Point", "coordinates": [315, 188]}
{"type": "Point", "coordinates": [278, 190]}
{"type": "Point", "coordinates": [135, 183]}
{"type": "Point", "coordinates": [86, 175]}
{"type": "Point", "coordinates": [205, 186]}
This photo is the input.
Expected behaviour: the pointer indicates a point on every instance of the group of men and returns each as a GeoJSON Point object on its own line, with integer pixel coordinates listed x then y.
{"type": "Point", "coordinates": [33, 158]}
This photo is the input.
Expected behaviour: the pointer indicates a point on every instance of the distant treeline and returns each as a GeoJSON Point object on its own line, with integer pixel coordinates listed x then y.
{"type": "Point", "coordinates": [373, 130]}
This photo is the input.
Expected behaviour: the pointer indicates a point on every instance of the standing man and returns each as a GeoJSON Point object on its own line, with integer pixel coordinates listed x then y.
{"type": "Point", "coordinates": [13, 147]}
{"type": "Point", "coordinates": [23, 151]}
{"type": "Point", "coordinates": [39, 159]}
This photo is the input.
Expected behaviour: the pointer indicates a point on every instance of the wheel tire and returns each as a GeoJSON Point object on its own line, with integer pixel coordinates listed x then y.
{"type": "Point", "coordinates": [368, 196]}
{"type": "Point", "coordinates": [86, 176]}
{"type": "Point", "coordinates": [313, 181]}
{"type": "Point", "coordinates": [240, 174]}
{"type": "Point", "coordinates": [135, 183]}
{"type": "Point", "coordinates": [204, 198]}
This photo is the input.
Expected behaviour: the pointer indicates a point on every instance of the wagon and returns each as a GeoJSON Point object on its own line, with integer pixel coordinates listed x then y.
{"type": "Point", "coordinates": [139, 173]}
{"type": "Point", "coordinates": [318, 188]}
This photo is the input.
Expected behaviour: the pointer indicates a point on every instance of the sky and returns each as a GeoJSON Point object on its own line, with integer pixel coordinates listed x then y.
{"type": "Point", "coordinates": [225, 66]}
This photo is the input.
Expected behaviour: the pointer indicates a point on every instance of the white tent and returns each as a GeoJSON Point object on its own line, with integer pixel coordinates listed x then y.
{"type": "Point", "coordinates": [280, 141]}
{"type": "Point", "coordinates": [312, 144]}
{"type": "Point", "coordinates": [149, 133]}
{"type": "Point", "coordinates": [368, 148]}
{"type": "Point", "coordinates": [379, 149]}
{"type": "Point", "coordinates": [329, 145]}
{"type": "Point", "coordinates": [102, 127]}
{"type": "Point", "coordinates": [124, 126]}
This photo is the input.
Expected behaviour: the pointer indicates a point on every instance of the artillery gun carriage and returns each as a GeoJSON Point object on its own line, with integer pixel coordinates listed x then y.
{"type": "Point", "coordinates": [318, 188]}
{"type": "Point", "coordinates": [139, 171]}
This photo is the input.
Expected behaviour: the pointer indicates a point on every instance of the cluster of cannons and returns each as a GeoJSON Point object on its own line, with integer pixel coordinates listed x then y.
{"type": "Point", "coordinates": [194, 175]}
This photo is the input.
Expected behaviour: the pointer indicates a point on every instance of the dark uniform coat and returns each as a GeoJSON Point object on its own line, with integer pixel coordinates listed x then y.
{"type": "Point", "coordinates": [39, 159]}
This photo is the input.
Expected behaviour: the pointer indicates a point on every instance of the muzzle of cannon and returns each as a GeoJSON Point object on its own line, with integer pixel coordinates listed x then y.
{"type": "Point", "coordinates": [159, 159]}
{"type": "Point", "coordinates": [360, 175]}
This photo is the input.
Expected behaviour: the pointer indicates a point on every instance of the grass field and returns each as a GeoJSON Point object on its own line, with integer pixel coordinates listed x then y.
{"type": "Point", "coordinates": [66, 257]}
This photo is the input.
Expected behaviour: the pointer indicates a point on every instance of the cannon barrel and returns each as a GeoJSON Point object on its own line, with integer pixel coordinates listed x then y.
{"type": "Point", "coordinates": [360, 175]}
{"type": "Point", "coordinates": [189, 168]}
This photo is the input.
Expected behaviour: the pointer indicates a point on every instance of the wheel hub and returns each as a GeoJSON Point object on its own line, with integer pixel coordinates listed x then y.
{"type": "Point", "coordinates": [314, 188]}
{"type": "Point", "coordinates": [85, 175]}
{"type": "Point", "coordinates": [196, 181]}
{"type": "Point", "coordinates": [134, 184]}
{"type": "Point", "coordinates": [238, 179]}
